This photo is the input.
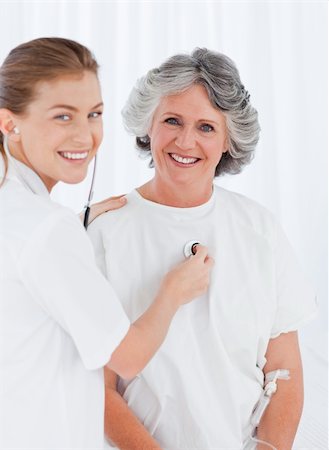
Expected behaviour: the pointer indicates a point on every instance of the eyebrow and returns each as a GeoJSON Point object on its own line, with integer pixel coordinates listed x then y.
{"type": "Point", "coordinates": [180, 116]}
{"type": "Point", "coordinates": [73, 108]}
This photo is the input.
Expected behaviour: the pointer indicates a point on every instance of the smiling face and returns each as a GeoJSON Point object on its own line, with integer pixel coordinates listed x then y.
{"type": "Point", "coordinates": [188, 137]}
{"type": "Point", "coordinates": [61, 129]}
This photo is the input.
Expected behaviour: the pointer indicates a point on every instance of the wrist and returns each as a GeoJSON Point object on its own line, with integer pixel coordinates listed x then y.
{"type": "Point", "coordinates": [168, 301]}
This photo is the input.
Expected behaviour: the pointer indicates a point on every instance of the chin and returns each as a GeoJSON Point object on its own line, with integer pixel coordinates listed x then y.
{"type": "Point", "coordinates": [183, 179]}
{"type": "Point", "coordinates": [77, 178]}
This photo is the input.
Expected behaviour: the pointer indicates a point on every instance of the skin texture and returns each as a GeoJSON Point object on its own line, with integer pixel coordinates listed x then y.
{"type": "Point", "coordinates": [118, 415]}
{"type": "Point", "coordinates": [187, 125]}
{"type": "Point", "coordinates": [280, 421]}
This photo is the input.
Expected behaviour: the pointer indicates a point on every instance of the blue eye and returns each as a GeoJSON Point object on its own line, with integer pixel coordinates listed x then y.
{"type": "Point", "coordinates": [207, 128]}
{"type": "Point", "coordinates": [171, 121]}
{"type": "Point", "coordinates": [63, 117]}
{"type": "Point", "coordinates": [95, 114]}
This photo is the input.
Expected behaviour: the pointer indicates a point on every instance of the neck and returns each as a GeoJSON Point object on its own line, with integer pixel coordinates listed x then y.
{"type": "Point", "coordinates": [180, 197]}
{"type": "Point", "coordinates": [17, 153]}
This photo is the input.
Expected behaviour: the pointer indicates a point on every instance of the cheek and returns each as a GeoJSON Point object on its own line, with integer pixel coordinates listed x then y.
{"type": "Point", "coordinates": [214, 150]}
{"type": "Point", "coordinates": [98, 137]}
{"type": "Point", "coordinates": [161, 139]}
{"type": "Point", "coordinates": [36, 144]}
{"type": "Point", "coordinates": [51, 136]}
{"type": "Point", "coordinates": [99, 132]}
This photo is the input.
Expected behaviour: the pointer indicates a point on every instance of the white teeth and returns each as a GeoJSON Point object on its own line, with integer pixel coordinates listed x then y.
{"type": "Point", "coordinates": [182, 160]}
{"type": "Point", "coordinates": [70, 155]}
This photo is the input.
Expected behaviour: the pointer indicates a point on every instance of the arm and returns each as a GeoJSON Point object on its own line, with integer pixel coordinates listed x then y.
{"type": "Point", "coordinates": [121, 425]}
{"type": "Point", "coordinates": [85, 305]}
{"type": "Point", "coordinates": [186, 281]}
{"type": "Point", "coordinates": [280, 421]}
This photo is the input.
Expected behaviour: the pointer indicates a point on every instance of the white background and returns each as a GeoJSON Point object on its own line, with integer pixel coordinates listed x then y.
{"type": "Point", "coordinates": [280, 49]}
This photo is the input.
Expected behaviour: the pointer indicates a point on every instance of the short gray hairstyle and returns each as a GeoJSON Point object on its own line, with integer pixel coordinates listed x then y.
{"type": "Point", "coordinates": [219, 75]}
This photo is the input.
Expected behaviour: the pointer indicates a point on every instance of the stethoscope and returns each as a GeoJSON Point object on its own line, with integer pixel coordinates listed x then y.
{"type": "Point", "coordinates": [90, 197]}
{"type": "Point", "coordinates": [27, 186]}
{"type": "Point", "coordinates": [189, 248]}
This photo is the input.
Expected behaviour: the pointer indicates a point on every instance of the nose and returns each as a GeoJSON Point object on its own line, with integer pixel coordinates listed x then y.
{"type": "Point", "coordinates": [83, 135]}
{"type": "Point", "coordinates": [185, 139]}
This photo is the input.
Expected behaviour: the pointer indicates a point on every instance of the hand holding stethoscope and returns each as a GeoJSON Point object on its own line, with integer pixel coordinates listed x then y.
{"type": "Point", "coordinates": [190, 248]}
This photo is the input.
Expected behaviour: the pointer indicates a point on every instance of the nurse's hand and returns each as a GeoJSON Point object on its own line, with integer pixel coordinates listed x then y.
{"type": "Point", "coordinates": [189, 279]}
{"type": "Point", "coordinates": [108, 204]}
{"type": "Point", "coordinates": [186, 281]}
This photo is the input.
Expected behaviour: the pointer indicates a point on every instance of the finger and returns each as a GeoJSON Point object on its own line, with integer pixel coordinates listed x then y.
{"type": "Point", "coordinates": [110, 204]}
{"type": "Point", "coordinates": [201, 252]}
{"type": "Point", "coordinates": [109, 199]}
{"type": "Point", "coordinates": [118, 197]}
{"type": "Point", "coordinates": [209, 262]}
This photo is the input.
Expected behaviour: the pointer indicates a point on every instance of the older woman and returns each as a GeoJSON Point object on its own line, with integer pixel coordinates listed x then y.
{"type": "Point", "coordinates": [193, 117]}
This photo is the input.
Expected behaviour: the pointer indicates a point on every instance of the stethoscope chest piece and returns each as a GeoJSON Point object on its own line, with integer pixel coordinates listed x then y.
{"type": "Point", "coordinates": [189, 248]}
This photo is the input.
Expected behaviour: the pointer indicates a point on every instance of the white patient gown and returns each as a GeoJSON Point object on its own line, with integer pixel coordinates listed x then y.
{"type": "Point", "coordinates": [199, 390]}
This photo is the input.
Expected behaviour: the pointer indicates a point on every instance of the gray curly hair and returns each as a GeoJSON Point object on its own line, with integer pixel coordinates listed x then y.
{"type": "Point", "coordinates": [219, 75]}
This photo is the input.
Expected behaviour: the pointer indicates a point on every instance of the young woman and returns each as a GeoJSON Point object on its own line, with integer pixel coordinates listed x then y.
{"type": "Point", "coordinates": [61, 321]}
{"type": "Point", "coordinates": [193, 117]}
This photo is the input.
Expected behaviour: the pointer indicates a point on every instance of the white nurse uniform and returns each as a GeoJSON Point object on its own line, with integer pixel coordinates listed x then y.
{"type": "Point", "coordinates": [60, 320]}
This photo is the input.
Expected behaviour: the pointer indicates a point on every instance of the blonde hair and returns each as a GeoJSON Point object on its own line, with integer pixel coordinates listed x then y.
{"type": "Point", "coordinates": [38, 60]}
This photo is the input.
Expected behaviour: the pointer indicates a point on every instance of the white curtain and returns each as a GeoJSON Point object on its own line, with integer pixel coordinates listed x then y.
{"type": "Point", "coordinates": [280, 48]}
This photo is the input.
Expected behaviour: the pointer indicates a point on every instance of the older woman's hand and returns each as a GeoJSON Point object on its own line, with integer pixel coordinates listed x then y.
{"type": "Point", "coordinates": [108, 204]}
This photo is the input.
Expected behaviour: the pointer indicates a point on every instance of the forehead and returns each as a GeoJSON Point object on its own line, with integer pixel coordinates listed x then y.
{"type": "Point", "coordinates": [80, 88]}
{"type": "Point", "coordinates": [194, 100]}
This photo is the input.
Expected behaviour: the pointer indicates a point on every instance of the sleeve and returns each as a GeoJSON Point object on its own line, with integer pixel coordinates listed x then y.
{"type": "Point", "coordinates": [296, 300]}
{"type": "Point", "coordinates": [57, 266]}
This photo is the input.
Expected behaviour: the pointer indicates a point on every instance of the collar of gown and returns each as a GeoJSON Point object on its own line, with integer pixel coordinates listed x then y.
{"type": "Point", "coordinates": [26, 177]}
{"type": "Point", "coordinates": [188, 213]}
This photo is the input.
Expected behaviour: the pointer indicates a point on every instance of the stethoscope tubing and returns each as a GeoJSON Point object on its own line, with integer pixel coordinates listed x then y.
{"type": "Point", "coordinates": [19, 176]}
{"type": "Point", "coordinates": [90, 196]}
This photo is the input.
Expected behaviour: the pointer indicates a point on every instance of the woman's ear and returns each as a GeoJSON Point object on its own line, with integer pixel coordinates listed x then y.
{"type": "Point", "coordinates": [7, 125]}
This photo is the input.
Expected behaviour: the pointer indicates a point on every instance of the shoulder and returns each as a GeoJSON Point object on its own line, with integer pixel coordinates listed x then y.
{"type": "Point", "coordinates": [24, 214]}
{"type": "Point", "coordinates": [108, 221]}
{"type": "Point", "coordinates": [246, 212]}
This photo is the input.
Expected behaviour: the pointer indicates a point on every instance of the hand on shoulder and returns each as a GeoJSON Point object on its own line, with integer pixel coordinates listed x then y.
{"type": "Point", "coordinates": [109, 204]}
